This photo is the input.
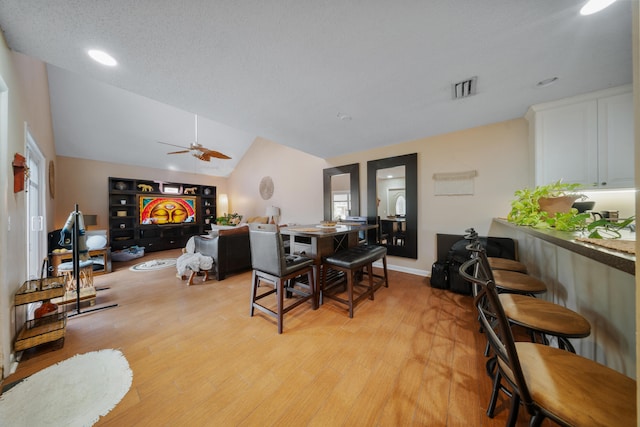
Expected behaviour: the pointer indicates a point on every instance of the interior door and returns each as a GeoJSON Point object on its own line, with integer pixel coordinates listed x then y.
{"type": "Point", "coordinates": [35, 209]}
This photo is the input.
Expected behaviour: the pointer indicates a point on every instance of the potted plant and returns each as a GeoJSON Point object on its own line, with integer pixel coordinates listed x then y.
{"type": "Point", "coordinates": [229, 219]}
{"type": "Point", "coordinates": [548, 206]}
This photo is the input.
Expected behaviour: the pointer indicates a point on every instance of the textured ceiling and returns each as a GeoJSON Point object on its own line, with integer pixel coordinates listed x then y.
{"type": "Point", "coordinates": [285, 70]}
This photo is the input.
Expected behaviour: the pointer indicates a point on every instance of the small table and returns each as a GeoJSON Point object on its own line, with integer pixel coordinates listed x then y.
{"type": "Point", "coordinates": [60, 257]}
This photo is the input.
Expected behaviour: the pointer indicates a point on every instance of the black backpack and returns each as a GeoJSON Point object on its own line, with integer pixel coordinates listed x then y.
{"type": "Point", "coordinates": [440, 275]}
{"type": "Point", "coordinates": [458, 255]}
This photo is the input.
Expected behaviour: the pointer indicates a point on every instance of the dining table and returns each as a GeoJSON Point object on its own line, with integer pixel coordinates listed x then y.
{"type": "Point", "coordinates": [318, 241]}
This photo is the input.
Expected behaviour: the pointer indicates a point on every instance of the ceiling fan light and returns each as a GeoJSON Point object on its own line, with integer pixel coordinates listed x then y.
{"type": "Point", "coordinates": [594, 6]}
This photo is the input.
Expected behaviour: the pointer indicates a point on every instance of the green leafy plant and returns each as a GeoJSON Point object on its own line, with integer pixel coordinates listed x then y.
{"type": "Point", "coordinates": [605, 229]}
{"type": "Point", "coordinates": [525, 208]}
{"type": "Point", "coordinates": [229, 219]}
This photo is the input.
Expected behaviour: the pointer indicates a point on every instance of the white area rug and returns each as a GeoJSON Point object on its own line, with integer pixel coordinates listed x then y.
{"type": "Point", "coordinates": [154, 264]}
{"type": "Point", "coordinates": [75, 392]}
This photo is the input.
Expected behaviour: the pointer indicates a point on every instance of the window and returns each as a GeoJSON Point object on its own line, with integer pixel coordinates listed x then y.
{"type": "Point", "coordinates": [340, 205]}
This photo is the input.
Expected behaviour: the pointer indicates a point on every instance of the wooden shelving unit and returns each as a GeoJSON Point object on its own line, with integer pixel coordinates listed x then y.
{"type": "Point", "coordinates": [45, 329]}
{"type": "Point", "coordinates": [125, 229]}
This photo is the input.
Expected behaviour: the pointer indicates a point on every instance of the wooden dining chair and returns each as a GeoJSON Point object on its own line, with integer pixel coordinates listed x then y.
{"type": "Point", "coordinates": [549, 382]}
{"type": "Point", "coordinates": [271, 264]}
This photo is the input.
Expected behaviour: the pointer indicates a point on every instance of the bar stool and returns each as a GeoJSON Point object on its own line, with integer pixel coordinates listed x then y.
{"type": "Point", "coordinates": [549, 382]}
{"type": "Point", "coordinates": [506, 264]}
{"type": "Point", "coordinates": [351, 261]}
{"type": "Point", "coordinates": [539, 317]}
{"type": "Point", "coordinates": [517, 283]}
{"type": "Point", "coordinates": [86, 275]}
{"type": "Point", "coordinates": [271, 264]}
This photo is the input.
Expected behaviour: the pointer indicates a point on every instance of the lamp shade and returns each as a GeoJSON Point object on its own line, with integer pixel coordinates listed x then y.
{"type": "Point", "coordinates": [273, 211]}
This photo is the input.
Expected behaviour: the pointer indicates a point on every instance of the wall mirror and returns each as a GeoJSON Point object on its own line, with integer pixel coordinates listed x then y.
{"type": "Point", "coordinates": [341, 186]}
{"type": "Point", "coordinates": [392, 203]}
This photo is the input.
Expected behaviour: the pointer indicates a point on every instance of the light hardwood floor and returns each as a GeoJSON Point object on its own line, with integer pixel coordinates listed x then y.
{"type": "Point", "coordinates": [413, 356]}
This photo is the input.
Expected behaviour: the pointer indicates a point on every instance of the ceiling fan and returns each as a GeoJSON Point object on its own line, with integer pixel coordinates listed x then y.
{"type": "Point", "coordinates": [197, 150]}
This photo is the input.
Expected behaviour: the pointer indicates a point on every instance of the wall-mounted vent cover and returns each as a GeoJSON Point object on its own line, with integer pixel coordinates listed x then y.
{"type": "Point", "coordinates": [464, 88]}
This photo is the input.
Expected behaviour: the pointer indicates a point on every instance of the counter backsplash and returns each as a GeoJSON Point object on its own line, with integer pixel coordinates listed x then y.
{"type": "Point", "coordinates": [622, 201]}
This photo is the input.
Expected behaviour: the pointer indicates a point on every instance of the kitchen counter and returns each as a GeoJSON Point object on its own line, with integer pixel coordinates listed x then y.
{"type": "Point", "coordinates": [616, 259]}
{"type": "Point", "coordinates": [597, 282]}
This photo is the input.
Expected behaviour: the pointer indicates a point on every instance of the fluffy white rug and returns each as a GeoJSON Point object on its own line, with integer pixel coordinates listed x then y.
{"type": "Point", "coordinates": [154, 264]}
{"type": "Point", "coordinates": [74, 392]}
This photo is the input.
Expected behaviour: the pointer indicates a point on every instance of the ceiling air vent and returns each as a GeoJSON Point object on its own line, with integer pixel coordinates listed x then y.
{"type": "Point", "coordinates": [464, 88]}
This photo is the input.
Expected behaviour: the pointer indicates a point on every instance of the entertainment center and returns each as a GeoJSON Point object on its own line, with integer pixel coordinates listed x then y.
{"type": "Point", "coordinates": [158, 215]}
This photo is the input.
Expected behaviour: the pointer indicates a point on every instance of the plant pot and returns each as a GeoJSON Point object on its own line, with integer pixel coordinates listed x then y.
{"type": "Point", "coordinates": [553, 205]}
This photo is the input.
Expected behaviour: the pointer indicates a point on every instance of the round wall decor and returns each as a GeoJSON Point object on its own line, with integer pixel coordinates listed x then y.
{"type": "Point", "coordinates": [266, 187]}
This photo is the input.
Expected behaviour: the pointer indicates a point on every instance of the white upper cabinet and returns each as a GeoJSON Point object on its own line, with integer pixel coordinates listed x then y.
{"type": "Point", "coordinates": [586, 139]}
{"type": "Point", "coordinates": [615, 141]}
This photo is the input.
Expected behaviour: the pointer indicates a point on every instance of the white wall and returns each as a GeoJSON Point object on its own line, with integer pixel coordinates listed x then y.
{"type": "Point", "coordinates": [297, 182]}
{"type": "Point", "coordinates": [27, 101]}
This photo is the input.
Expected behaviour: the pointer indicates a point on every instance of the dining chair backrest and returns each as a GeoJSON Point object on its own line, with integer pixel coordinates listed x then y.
{"type": "Point", "coordinates": [496, 326]}
{"type": "Point", "coordinates": [267, 249]}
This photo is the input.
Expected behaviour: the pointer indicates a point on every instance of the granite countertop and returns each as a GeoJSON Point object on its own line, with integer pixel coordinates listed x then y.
{"type": "Point", "coordinates": [567, 240]}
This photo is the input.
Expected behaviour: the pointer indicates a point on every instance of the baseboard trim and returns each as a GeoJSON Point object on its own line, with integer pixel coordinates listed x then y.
{"type": "Point", "coordinates": [414, 271]}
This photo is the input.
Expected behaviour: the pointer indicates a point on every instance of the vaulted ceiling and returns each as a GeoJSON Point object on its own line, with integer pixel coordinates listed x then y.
{"type": "Point", "coordinates": [326, 77]}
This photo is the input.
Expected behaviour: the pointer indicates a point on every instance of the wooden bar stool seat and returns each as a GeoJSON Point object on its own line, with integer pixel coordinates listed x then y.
{"type": "Point", "coordinates": [546, 318]}
{"type": "Point", "coordinates": [574, 389]}
{"type": "Point", "coordinates": [506, 264]}
{"type": "Point", "coordinates": [518, 283]}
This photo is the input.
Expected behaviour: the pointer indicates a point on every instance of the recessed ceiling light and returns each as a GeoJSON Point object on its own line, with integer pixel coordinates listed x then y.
{"type": "Point", "coordinates": [594, 6]}
{"type": "Point", "coordinates": [547, 82]}
{"type": "Point", "coordinates": [102, 57]}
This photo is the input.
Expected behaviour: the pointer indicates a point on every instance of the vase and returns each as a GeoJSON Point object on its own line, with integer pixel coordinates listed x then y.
{"type": "Point", "coordinates": [554, 205]}
{"type": "Point", "coordinates": [46, 308]}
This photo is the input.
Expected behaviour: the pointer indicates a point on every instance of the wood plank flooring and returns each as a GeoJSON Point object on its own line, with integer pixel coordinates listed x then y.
{"type": "Point", "coordinates": [411, 357]}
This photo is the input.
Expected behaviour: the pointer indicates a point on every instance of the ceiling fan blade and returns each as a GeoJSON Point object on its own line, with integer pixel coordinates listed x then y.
{"type": "Point", "coordinates": [173, 145]}
{"type": "Point", "coordinates": [179, 152]}
{"type": "Point", "coordinates": [201, 156]}
{"type": "Point", "coordinates": [216, 154]}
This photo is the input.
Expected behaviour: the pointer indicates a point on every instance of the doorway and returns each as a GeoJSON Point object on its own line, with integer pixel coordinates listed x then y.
{"type": "Point", "coordinates": [35, 208]}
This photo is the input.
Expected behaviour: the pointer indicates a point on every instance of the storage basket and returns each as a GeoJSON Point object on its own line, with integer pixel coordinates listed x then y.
{"type": "Point", "coordinates": [40, 289]}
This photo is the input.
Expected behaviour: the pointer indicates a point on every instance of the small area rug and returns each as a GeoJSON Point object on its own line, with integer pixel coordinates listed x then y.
{"type": "Point", "coordinates": [154, 264]}
{"type": "Point", "coordinates": [74, 392]}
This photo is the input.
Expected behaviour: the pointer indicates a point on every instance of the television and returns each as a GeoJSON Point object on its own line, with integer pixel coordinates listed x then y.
{"type": "Point", "coordinates": [167, 209]}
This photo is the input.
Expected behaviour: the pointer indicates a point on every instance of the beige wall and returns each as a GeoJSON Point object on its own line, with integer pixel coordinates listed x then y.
{"type": "Point", "coordinates": [499, 152]}
{"type": "Point", "coordinates": [636, 105]}
{"type": "Point", "coordinates": [26, 100]}
{"type": "Point", "coordinates": [85, 182]}
{"type": "Point", "coordinates": [297, 183]}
